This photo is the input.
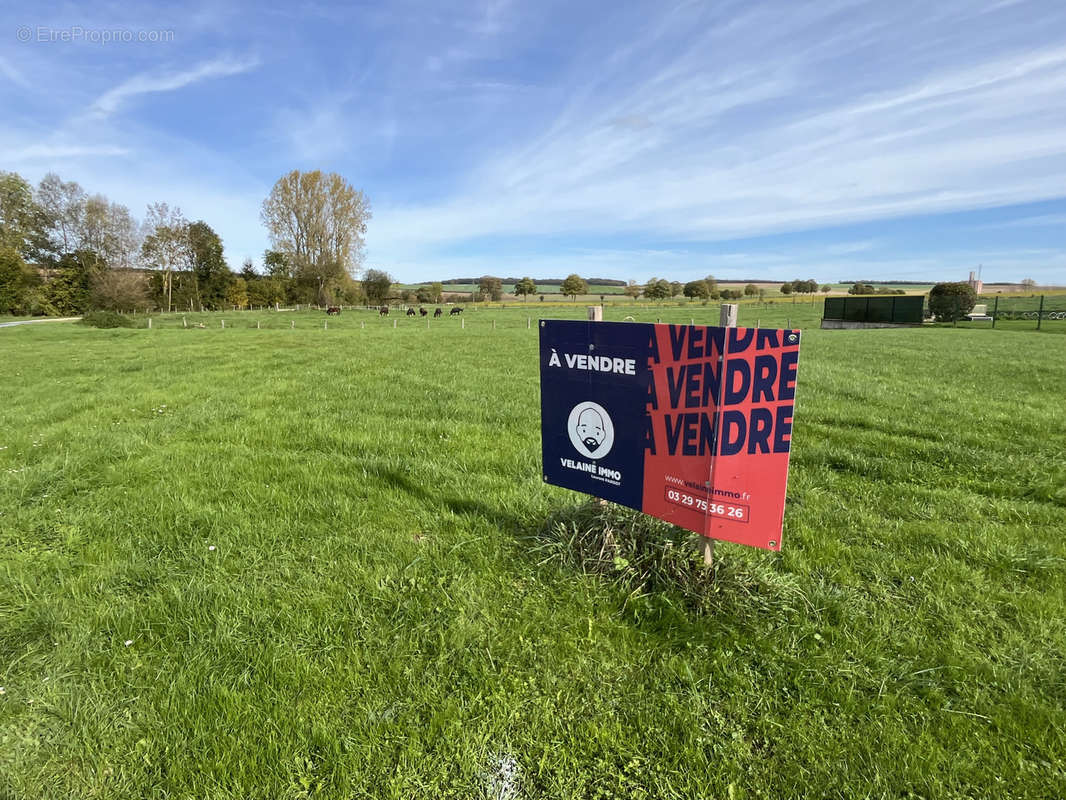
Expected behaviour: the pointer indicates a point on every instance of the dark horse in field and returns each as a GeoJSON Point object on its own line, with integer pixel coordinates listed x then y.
{"type": "Point", "coordinates": [410, 312]}
{"type": "Point", "coordinates": [437, 313]}
{"type": "Point", "coordinates": [333, 311]}
{"type": "Point", "coordinates": [384, 312]}
{"type": "Point", "coordinates": [423, 312]}
{"type": "Point", "coordinates": [455, 311]}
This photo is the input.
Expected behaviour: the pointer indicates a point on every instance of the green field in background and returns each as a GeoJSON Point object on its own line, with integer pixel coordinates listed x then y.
{"type": "Point", "coordinates": [295, 562]}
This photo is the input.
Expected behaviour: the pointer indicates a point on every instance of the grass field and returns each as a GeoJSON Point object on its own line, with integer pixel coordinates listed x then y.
{"type": "Point", "coordinates": [297, 562]}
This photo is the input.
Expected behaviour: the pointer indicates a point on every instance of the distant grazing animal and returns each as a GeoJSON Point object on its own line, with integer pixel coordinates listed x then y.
{"type": "Point", "coordinates": [384, 312]}
{"type": "Point", "coordinates": [423, 312]}
{"type": "Point", "coordinates": [437, 313]}
{"type": "Point", "coordinates": [455, 311]}
{"type": "Point", "coordinates": [410, 312]}
{"type": "Point", "coordinates": [333, 310]}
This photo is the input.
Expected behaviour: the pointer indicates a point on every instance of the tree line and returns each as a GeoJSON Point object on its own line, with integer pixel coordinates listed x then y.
{"type": "Point", "coordinates": [65, 251]}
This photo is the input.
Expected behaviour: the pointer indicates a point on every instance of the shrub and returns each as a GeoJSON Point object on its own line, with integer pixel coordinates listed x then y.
{"type": "Point", "coordinates": [106, 319]}
{"type": "Point", "coordinates": [949, 302]}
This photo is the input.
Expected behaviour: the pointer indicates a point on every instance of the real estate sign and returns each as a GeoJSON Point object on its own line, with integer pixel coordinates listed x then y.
{"type": "Point", "coordinates": [688, 423]}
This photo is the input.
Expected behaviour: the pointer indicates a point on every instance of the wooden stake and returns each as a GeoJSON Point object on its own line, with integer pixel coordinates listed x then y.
{"type": "Point", "coordinates": [223, 324]}
{"type": "Point", "coordinates": [727, 318]}
{"type": "Point", "coordinates": [184, 324]}
{"type": "Point", "coordinates": [149, 323]}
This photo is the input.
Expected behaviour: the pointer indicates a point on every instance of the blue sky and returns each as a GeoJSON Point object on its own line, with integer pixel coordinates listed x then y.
{"type": "Point", "coordinates": [837, 139]}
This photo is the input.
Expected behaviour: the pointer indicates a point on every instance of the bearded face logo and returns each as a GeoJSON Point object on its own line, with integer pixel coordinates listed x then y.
{"type": "Point", "coordinates": [591, 430]}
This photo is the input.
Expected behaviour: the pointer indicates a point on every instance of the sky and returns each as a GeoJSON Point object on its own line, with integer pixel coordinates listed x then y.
{"type": "Point", "coordinates": [835, 140]}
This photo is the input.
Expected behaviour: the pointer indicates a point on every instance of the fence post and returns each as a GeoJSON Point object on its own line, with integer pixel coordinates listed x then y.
{"type": "Point", "coordinates": [995, 310]}
{"type": "Point", "coordinates": [1040, 313]}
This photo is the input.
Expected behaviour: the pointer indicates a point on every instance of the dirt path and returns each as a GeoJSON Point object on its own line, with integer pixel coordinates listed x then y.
{"type": "Point", "coordinates": [35, 321]}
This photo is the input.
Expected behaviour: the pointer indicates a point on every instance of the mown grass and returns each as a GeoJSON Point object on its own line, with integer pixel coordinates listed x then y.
{"type": "Point", "coordinates": [340, 575]}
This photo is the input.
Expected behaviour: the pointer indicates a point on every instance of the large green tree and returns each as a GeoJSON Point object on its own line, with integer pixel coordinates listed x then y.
{"type": "Point", "coordinates": [377, 284]}
{"type": "Point", "coordinates": [697, 290]}
{"type": "Point", "coordinates": [23, 225]}
{"type": "Point", "coordinates": [949, 302]}
{"type": "Point", "coordinates": [525, 287]}
{"type": "Point", "coordinates": [657, 289]}
{"type": "Point", "coordinates": [573, 285]}
{"type": "Point", "coordinates": [318, 221]}
{"type": "Point", "coordinates": [491, 287]}
{"type": "Point", "coordinates": [212, 274]}
{"type": "Point", "coordinates": [17, 279]}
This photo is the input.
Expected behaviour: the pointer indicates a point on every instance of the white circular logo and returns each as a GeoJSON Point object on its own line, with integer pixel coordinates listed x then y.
{"type": "Point", "coordinates": [591, 430]}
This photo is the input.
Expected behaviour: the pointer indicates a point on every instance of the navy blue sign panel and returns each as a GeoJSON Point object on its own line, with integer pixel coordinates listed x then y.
{"type": "Point", "coordinates": [594, 383]}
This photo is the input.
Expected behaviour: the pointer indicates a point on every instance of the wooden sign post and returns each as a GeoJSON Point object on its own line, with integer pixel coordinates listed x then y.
{"type": "Point", "coordinates": [727, 319]}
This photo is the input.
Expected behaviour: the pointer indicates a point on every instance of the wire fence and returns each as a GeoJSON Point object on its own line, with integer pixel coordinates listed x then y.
{"type": "Point", "coordinates": [1043, 312]}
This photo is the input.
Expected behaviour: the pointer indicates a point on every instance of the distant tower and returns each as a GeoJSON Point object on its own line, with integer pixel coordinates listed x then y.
{"type": "Point", "coordinates": [975, 283]}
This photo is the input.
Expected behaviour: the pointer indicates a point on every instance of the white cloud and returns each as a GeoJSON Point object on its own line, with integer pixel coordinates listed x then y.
{"type": "Point", "coordinates": [1036, 221]}
{"type": "Point", "coordinates": [750, 129]}
{"type": "Point", "coordinates": [57, 152]}
{"type": "Point", "coordinates": [145, 83]}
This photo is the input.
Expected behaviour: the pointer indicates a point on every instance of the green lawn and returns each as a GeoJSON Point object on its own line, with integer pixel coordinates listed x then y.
{"type": "Point", "coordinates": [298, 562]}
